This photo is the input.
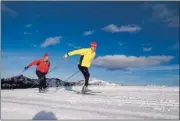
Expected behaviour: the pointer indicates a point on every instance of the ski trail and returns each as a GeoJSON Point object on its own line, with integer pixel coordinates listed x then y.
{"type": "Point", "coordinates": [111, 103]}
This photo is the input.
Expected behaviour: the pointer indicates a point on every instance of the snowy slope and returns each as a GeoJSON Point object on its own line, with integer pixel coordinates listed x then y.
{"type": "Point", "coordinates": [107, 102]}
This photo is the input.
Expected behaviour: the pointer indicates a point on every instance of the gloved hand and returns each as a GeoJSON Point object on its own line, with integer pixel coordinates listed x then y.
{"type": "Point", "coordinates": [65, 56]}
{"type": "Point", "coordinates": [25, 68]}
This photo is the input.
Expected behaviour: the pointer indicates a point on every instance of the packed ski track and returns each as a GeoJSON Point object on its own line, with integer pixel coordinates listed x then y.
{"type": "Point", "coordinates": [104, 102]}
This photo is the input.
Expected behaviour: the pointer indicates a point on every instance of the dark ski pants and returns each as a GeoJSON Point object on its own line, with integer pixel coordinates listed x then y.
{"type": "Point", "coordinates": [85, 72]}
{"type": "Point", "coordinates": [42, 79]}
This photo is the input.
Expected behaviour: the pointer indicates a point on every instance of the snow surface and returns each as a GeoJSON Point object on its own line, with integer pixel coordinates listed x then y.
{"type": "Point", "coordinates": [106, 102]}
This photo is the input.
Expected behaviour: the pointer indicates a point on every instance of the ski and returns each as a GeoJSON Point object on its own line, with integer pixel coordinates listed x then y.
{"type": "Point", "coordinates": [48, 92]}
{"type": "Point", "coordinates": [44, 92]}
{"type": "Point", "coordinates": [86, 93]}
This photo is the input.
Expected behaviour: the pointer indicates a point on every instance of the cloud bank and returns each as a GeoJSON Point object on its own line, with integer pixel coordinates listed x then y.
{"type": "Point", "coordinates": [163, 13]}
{"type": "Point", "coordinates": [114, 29]}
{"type": "Point", "coordinates": [115, 62]}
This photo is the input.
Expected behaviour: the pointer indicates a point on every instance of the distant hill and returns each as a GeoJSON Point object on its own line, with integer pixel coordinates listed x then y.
{"type": "Point", "coordinates": [22, 82]}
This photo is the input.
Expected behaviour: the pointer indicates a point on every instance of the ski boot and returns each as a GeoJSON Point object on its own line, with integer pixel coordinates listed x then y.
{"type": "Point", "coordinates": [45, 89]}
{"type": "Point", "coordinates": [88, 90]}
{"type": "Point", "coordinates": [40, 90]}
{"type": "Point", "coordinates": [84, 89]}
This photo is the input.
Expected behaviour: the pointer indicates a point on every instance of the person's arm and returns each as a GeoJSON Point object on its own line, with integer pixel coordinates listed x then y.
{"type": "Point", "coordinates": [77, 52]}
{"type": "Point", "coordinates": [34, 63]}
{"type": "Point", "coordinates": [31, 64]}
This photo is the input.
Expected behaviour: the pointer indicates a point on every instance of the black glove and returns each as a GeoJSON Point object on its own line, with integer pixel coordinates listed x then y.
{"type": "Point", "coordinates": [25, 68]}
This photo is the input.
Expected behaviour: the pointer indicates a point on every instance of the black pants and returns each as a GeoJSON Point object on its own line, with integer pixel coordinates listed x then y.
{"type": "Point", "coordinates": [42, 79]}
{"type": "Point", "coordinates": [85, 72]}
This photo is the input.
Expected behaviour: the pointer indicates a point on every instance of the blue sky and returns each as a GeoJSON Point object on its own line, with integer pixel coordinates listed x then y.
{"type": "Point", "coordinates": [137, 41]}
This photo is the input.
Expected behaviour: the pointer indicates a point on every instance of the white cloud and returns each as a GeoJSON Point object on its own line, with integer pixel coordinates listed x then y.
{"type": "Point", "coordinates": [111, 28]}
{"type": "Point", "coordinates": [114, 29]}
{"type": "Point", "coordinates": [28, 25]}
{"type": "Point", "coordinates": [51, 41]}
{"type": "Point", "coordinates": [173, 22]}
{"type": "Point", "coordinates": [157, 68]}
{"type": "Point", "coordinates": [26, 33]}
{"type": "Point", "coordinates": [120, 43]}
{"type": "Point", "coordinates": [73, 46]}
{"type": "Point", "coordinates": [88, 33]}
{"type": "Point", "coordinates": [147, 49]}
{"type": "Point", "coordinates": [129, 28]}
{"type": "Point", "coordinates": [163, 13]}
{"type": "Point", "coordinates": [8, 10]}
{"type": "Point", "coordinates": [123, 61]}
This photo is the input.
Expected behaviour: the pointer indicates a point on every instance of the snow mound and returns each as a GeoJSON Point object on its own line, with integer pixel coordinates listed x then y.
{"type": "Point", "coordinates": [44, 115]}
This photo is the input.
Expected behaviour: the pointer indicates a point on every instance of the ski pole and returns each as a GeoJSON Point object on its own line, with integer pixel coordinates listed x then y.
{"type": "Point", "coordinates": [23, 72]}
{"type": "Point", "coordinates": [54, 68]}
{"type": "Point", "coordinates": [67, 80]}
{"type": "Point", "coordinates": [71, 75]}
{"type": "Point", "coordinates": [45, 75]}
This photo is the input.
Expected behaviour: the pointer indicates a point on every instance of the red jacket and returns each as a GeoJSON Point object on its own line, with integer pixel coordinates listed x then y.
{"type": "Point", "coordinates": [42, 66]}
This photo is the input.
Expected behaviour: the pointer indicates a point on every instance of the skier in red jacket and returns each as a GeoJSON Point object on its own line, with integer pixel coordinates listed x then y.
{"type": "Point", "coordinates": [42, 69]}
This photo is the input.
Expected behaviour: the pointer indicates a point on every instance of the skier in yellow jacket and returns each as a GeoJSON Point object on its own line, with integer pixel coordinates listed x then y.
{"type": "Point", "coordinates": [87, 55]}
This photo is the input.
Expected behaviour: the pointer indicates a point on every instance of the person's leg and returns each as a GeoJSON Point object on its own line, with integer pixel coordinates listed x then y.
{"type": "Point", "coordinates": [44, 81]}
{"type": "Point", "coordinates": [82, 70]}
{"type": "Point", "coordinates": [40, 76]}
{"type": "Point", "coordinates": [87, 75]}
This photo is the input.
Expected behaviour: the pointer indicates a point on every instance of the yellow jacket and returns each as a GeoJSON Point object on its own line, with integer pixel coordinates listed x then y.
{"type": "Point", "coordinates": [87, 55]}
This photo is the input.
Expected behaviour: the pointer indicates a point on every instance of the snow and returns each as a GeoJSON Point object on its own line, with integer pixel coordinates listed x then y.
{"type": "Point", "coordinates": [95, 81]}
{"type": "Point", "coordinates": [106, 102]}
